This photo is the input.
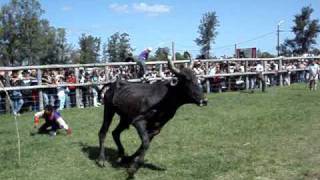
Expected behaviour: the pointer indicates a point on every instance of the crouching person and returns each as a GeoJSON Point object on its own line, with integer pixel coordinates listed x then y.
{"type": "Point", "coordinates": [53, 121]}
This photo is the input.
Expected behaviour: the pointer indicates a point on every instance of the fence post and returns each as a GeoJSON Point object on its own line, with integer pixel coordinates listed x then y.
{"type": "Point", "coordinates": [160, 69]}
{"type": "Point", "coordinates": [106, 72]}
{"type": "Point", "coordinates": [77, 89]}
{"type": "Point", "coordinates": [280, 74]}
{"type": "Point", "coordinates": [207, 79]}
{"type": "Point", "coordinates": [246, 68]}
{"type": "Point", "coordinates": [6, 75]}
{"type": "Point", "coordinates": [39, 77]}
{"type": "Point", "coordinates": [262, 75]}
{"type": "Point", "coordinates": [229, 77]}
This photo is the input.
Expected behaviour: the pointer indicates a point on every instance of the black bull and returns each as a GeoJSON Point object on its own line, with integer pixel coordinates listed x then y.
{"type": "Point", "coordinates": [148, 107]}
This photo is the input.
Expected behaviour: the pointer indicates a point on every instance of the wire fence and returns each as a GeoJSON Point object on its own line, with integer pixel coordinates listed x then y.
{"type": "Point", "coordinates": [83, 91]}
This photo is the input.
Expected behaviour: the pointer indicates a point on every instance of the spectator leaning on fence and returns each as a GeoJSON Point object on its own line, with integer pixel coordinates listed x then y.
{"type": "Point", "coordinates": [71, 79]}
{"type": "Point", "coordinates": [260, 78]}
{"type": "Point", "coordinates": [95, 90]}
{"type": "Point", "coordinates": [61, 91]}
{"type": "Point", "coordinates": [16, 95]}
{"type": "Point", "coordinates": [313, 70]}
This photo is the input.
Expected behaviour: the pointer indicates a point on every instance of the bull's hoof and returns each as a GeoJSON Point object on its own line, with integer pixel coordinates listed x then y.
{"type": "Point", "coordinates": [101, 163]}
{"type": "Point", "coordinates": [131, 171]}
{"type": "Point", "coordinates": [125, 160]}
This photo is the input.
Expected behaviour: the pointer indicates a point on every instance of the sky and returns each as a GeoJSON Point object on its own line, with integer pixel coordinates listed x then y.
{"type": "Point", "coordinates": [157, 23]}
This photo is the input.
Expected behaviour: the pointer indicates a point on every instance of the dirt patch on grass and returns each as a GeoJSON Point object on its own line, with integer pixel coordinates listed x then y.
{"type": "Point", "coordinates": [312, 176]}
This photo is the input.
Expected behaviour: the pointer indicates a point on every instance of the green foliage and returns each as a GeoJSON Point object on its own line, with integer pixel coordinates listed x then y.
{"type": "Point", "coordinates": [89, 49]}
{"type": "Point", "coordinates": [273, 135]}
{"type": "Point", "coordinates": [207, 33]}
{"type": "Point", "coordinates": [306, 31]}
{"type": "Point", "coordinates": [118, 47]}
{"type": "Point", "coordinates": [162, 54]}
{"type": "Point", "coordinates": [264, 54]}
{"type": "Point", "coordinates": [26, 38]}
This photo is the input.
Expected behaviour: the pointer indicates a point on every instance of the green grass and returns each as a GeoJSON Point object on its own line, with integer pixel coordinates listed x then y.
{"type": "Point", "coordinates": [273, 135]}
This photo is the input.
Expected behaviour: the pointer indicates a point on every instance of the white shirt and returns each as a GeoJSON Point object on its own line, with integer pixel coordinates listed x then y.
{"type": "Point", "coordinates": [212, 71]}
{"type": "Point", "coordinates": [313, 69]}
{"type": "Point", "coordinates": [259, 68]}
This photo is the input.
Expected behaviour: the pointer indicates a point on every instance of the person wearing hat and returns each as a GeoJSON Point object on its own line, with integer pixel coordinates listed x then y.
{"type": "Point", "coordinates": [53, 121]}
{"type": "Point", "coordinates": [142, 58]}
{"type": "Point", "coordinates": [16, 95]}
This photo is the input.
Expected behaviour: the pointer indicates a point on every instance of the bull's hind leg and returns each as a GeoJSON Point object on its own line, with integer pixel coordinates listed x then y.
{"type": "Point", "coordinates": [123, 124]}
{"type": "Point", "coordinates": [108, 115]}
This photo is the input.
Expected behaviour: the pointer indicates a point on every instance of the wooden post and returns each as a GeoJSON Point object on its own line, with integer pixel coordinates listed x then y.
{"type": "Point", "coordinates": [207, 80]}
{"type": "Point", "coordinates": [78, 98]}
{"type": "Point", "coordinates": [207, 68]}
{"type": "Point", "coordinates": [39, 77]}
{"type": "Point", "coordinates": [280, 74]}
{"type": "Point", "coordinates": [265, 77]}
{"type": "Point", "coordinates": [208, 85]}
{"type": "Point", "coordinates": [289, 77]}
{"type": "Point", "coordinates": [173, 52]}
{"type": "Point", "coordinates": [6, 75]}
{"type": "Point", "coordinates": [229, 79]}
{"type": "Point", "coordinates": [246, 68]}
{"type": "Point", "coordinates": [262, 76]}
{"type": "Point", "coordinates": [106, 72]}
{"type": "Point", "coordinates": [160, 69]}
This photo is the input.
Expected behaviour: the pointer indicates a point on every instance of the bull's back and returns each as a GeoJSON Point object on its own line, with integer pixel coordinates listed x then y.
{"type": "Point", "coordinates": [134, 99]}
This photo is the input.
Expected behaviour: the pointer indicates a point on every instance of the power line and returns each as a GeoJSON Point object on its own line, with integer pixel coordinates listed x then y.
{"type": "Point", "coordinates": [229, 46]}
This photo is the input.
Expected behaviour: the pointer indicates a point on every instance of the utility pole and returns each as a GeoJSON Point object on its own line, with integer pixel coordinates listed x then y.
{"type": "Point", "coordinates": [235, 51]}
{"type": "Point", "coordinates": [278, 37]}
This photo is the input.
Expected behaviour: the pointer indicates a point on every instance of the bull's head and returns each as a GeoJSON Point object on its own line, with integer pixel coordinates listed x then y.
{"type": "Point", "coordinates": [188, 84]}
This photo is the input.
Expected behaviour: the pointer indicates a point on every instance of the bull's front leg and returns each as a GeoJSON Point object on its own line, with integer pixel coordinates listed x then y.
{"type": "Point", "coordinates": [138, 156]}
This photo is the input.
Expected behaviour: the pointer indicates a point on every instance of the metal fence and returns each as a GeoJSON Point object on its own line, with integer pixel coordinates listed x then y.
{"type": "Point", "coordinates": [82, 96]}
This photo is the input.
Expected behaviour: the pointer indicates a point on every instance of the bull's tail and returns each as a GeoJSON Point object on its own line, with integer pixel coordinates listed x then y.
{"type": "Point", "coordinates": [109, 111]}
{"type": "Point", "coordinates": [104, 89]}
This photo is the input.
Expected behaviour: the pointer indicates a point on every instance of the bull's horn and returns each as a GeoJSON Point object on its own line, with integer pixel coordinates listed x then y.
{"type": "Point", "coordinates": [172, 67]}
{"type": "Point", "coordinates": [191, 63]}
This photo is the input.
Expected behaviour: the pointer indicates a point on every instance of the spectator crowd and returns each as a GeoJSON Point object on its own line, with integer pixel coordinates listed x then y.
{"type": "Point", "coordinates": [65, 96]}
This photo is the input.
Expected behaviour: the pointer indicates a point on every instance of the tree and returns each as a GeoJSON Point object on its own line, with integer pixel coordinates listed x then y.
{"type": "Point", "coordinates": [266, 55]}
{"type": "Point", "coordinates": [26, 38]}
{"type": "Point", "coordinates": [89, 49]}
{"type": "Point", "coordinates": [124, 46]}
{"type": "Point", "coordinates": [118, 48]}
{"type": "Point", "coordinates": [179, 56]}
{"type": "Point", "coordinates": [306, 31]}
{"type": "Point", "coordinates": [162, 54]}
{"type": "Point", "coordinates": [113, 47]}
{"type": "Point", "coordinates": [104, 57]}
{"type": "Point", "coordinates": [208, 32]}
{"type": "Point", "coordinates": [54, 48]}
{"type": "Point", "coordinates": [62, 47]}
{"type": "Point", "coordinates": [19, 37]}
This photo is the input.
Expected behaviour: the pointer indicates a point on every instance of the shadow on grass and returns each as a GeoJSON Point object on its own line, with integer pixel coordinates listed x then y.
{"type": "Point", "coordinates": [92, 152]}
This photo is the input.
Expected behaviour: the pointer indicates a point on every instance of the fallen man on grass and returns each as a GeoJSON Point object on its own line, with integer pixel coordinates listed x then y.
{"type": "Point", "coordinates": [53, 122]}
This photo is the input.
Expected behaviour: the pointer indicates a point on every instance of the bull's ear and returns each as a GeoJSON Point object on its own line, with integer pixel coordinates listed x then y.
{"type": "Point", "coordinates": [174, 81]}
